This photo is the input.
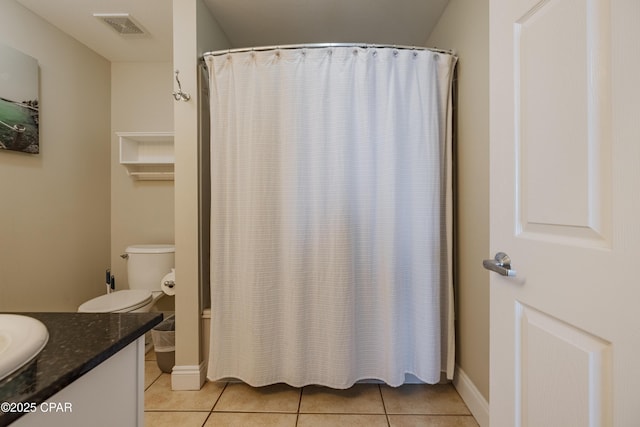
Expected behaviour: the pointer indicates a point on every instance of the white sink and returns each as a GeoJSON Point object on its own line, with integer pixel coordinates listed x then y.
{"type": "Point", "coordinates": [21, 339]}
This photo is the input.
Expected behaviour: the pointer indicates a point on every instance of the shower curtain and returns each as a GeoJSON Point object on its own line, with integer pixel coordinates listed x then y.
{"type": "Point", "coordinates": [331, 216]}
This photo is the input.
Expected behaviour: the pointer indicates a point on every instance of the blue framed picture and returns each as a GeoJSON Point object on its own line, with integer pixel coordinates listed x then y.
{"type": "Point", "coordinates": [19, 107]}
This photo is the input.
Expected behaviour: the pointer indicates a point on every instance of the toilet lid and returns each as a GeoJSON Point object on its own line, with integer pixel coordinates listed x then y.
{"type": "Point", "coordinates": [125, 300]}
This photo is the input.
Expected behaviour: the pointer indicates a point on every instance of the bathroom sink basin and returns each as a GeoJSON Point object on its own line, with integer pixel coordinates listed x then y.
{"type": "Point", "coordinates": [22, 338]}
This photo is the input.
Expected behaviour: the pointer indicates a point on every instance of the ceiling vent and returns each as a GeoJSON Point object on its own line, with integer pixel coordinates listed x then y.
{"type": "Point", "coordinates": [121, 23]}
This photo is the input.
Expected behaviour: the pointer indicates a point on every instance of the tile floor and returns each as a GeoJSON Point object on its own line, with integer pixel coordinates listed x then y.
{"type": "Point", "coordinates": [236, 404]}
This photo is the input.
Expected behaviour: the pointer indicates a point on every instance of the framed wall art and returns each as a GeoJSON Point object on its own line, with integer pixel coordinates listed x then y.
{"type": "Point", "coordinates": [19, 107]}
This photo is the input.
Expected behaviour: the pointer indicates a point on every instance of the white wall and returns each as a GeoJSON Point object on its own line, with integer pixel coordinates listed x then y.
{"type": "Point", "coordinates": [464, 26]}
{"type": "Point", "coordinates": [142, 212]}
{"type": "Point", "coordinates": [54, 206]}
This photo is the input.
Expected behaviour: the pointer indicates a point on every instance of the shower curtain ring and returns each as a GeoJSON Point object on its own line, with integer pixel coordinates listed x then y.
{"type": "Point", "coordinates": [180, 95]}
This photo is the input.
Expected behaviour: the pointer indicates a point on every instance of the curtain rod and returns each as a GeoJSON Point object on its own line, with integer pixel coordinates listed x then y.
{"type": "Point", "coordinates": [323, 45]}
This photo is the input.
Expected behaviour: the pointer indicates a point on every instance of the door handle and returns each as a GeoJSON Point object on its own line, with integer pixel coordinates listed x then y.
{"type": "Point", "coordinates": [501, 264]}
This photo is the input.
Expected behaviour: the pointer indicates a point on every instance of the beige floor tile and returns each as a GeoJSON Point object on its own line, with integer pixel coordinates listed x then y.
{"type": "Point", "coordinates": [332, 420]}
{"type": "Point", "coordinates": [150, 355]}
{"type": "Point", "coordinates": [240, 397]}
{"type": "Point", "coordinates": [160, 397]}
{"type": "Point", "coordinates": [240, 419]}
{"type": "Point", "coordinates": [359, 399]}
{"type": "Point", "coordinates": [151, 372]}
{"type": "Point", "coordinates": [172, 419]}
{"type": "Point", "coordinates": [432, 421]}
{"type": "Point", "coordinates": [424, 399]}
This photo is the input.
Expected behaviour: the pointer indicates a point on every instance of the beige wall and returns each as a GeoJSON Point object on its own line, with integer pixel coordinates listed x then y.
{"type": "Point", "coordinates": [142, 212]}
{"type": "Point", "coordinates": [464, 26]}
{"type": "Point", "coordinates": [195, 31]}
{"type": "Point", "coordinates": [54, 207]}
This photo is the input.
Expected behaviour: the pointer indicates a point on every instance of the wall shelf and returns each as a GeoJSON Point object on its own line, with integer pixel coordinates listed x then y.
{"type": "Point", "coordinates": [147, 155]}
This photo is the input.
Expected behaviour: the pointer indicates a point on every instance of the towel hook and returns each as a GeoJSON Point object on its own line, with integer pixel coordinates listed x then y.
{"type": "Point", "coordinates": [180, 95]}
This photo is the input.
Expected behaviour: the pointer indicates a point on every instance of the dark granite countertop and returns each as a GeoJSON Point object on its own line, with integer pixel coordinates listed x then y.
{"type": "Point", "coordinates": [78, 342]}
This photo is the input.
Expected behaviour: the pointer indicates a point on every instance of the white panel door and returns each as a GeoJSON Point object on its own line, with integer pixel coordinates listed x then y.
{"type": "Point", "coordinates": [565, 207]}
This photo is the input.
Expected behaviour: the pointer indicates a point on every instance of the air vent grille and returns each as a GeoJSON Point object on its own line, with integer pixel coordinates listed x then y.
{"type": "Point", "coordinates": [122, 23]}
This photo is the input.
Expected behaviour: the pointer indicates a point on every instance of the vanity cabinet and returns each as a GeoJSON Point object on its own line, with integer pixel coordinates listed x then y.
{"type": "Point", "coordinates": [111, 394]}
{"type": "Point", "coordinates": [90, 373]}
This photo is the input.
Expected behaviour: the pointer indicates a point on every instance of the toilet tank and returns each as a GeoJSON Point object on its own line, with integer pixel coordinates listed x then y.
{"type": "Point", "coordinates": [148, 264]}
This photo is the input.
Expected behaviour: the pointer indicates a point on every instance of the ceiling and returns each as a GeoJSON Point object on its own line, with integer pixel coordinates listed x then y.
{"type": "Point", "coordinates": [278, 22]}
{"type": "Point", "coordinates": [245, 22]}
{"type": "Point", "coordinates": [75, 17]}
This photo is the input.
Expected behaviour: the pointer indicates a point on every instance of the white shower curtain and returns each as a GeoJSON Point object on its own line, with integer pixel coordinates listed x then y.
{"type": "Point", "coordinates": [331, 216]}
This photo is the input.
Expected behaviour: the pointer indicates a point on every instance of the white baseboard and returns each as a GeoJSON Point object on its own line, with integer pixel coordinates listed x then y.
{"type": "Point", "coordinates": [188, 377]}
{"type": "Point", "coordinates": [474, 400]}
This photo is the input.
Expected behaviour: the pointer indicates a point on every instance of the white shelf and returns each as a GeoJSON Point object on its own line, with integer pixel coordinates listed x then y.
{"type": "Point", "coordinates": [147, 155]}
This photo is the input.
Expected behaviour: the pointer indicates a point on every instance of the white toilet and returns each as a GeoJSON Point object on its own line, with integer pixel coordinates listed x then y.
{"type": "Point", "coordinates": [146, 267]}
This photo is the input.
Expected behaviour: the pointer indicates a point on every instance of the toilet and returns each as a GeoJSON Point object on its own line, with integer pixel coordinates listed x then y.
{"type": "Point", "coordinates": [146, 267]}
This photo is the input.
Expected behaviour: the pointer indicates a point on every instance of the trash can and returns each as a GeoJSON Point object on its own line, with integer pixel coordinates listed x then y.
{"type": "Point", "coordinates": [164, 343]}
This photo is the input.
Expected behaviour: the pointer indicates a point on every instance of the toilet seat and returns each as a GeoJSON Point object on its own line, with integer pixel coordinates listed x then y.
{"type": "Point", "coordinates": [118, 301]}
